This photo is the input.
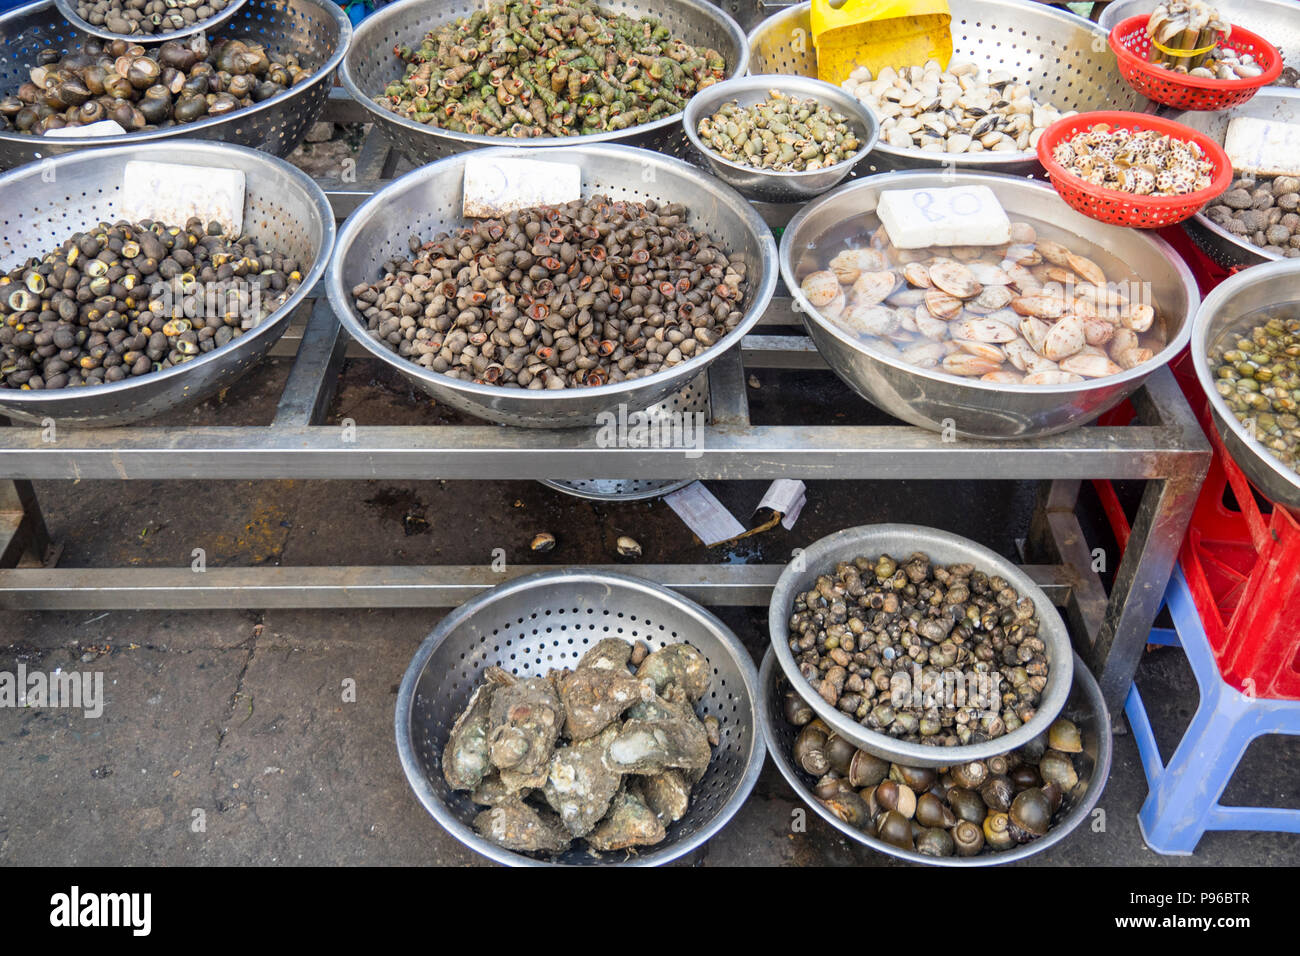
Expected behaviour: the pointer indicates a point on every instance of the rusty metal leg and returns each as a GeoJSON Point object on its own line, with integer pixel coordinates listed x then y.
{"type": "Point", "coordinates": [1055, 536]}
{"type": "Point", "coordinates": [22, 526]}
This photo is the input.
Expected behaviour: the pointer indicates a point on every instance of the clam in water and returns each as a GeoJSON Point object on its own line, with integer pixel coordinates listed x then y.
{"type": "Point", "coordinates": [552, 68]}
{"type": "Point", "coordinates": [969, 809]}
{"type": "Point", "coordinates": [943, 655]}
{"type": "Point", "coordinates": [1257, 372]}
{"type": "Point", "coordinates": [782, 133]}
{"type": "Point", "coordinates": [127, 299]}
{"type": "Point", "coordinates": [572, 296]}
{"type": "Point", "coordinates": [607, 753]}
{"type": "Point", "coordinates": [1032, 312]}
{"type": "Point", "coordinates": [954, 110]}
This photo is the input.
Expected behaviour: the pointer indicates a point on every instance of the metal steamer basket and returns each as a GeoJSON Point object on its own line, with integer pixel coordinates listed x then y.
{"type": "Point", "coordinates": [46, 203]}
{"type": "Point", "coordinates": [1271, 103]}
{"type": "Point", "coordinates": [1084, 706]}
{"type": "Point", "coordinates": [549, 620]}
{"type": "Point", "coordinates": [943, 547]}
{"type": "Point", "coordinates": [930, 398]}
{"type": "Point", "coordinates": [1275, 286]}
{"type": "Point", "coordinates": [1276, 20]}
{"type": "Point", "coordinates": [430, 201]}
{"type": "Point", "coordinates": [317, 30]}
{"type": "Point", "coordinates": [1062, 58]}
{"type": "Point", "coordinates": [371, 65]}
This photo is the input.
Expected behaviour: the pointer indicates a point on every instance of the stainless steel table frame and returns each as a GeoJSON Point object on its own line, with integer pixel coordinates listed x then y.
{"type": "Point", "coordinates": [1164, 448]}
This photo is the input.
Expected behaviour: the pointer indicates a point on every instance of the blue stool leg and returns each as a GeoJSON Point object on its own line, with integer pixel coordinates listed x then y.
{"type": "Point", "coordinates": [1268, 717]}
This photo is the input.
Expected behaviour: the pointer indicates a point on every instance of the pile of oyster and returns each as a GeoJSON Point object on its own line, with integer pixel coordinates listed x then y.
{"type": "Point", "coordinates": [963, 810]}
{"type": "Point", "coordinates": [606, 753]}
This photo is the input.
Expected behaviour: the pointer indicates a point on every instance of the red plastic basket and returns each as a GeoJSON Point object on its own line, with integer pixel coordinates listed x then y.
{"type": "Point", "coordinates": [1127, 209]}
{"type": "Point", "coordinates": [1129, 40]}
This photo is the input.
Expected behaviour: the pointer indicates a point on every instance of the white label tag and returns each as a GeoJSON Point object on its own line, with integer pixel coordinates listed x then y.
{"type": "Point", "coordinates": [704, 514]}
{"type": "Point", "coordinates": [786, 496]}
{"type": "Point", "coordinates": [1267, 147]}
{"type": "Point", "coordinates": [950, 216]}
{"type": "Point", "coordinates": [496, 186]}
{"type": "Point", "coordinates": [102, 128]}
{"type": "Point", "coordinates": [173, 194]}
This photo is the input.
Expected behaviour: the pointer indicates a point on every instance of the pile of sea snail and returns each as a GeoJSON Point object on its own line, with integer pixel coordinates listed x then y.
{"type": "Point", "coordinates": [932, 654]}
{"type": "Point", "coordinates": [179, 82]}
{"type": "Point", "coordinates": [1264, 212]}
{"type": "Point", "coordinates": [126, 299]}
{"type": "Point", "coordinates": [555, 297]}
{"type": "Point", "coordinates": [781, 133]}
{"type": "Point", "coordinates": [553, 68]}
{"type": "Point", "coordinates": [1257, 371]}
{"type": "Point", "coordinates": [1145, 162]}
{"type": "Point", "coordinates": [130, 17]}
{"type": "Point", "coordinates": [952, 111]}
{"type": "Point", "coordinates": [963, 810]}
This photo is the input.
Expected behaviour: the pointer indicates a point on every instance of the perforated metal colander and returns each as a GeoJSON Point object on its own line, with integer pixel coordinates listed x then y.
{"type": "Point", "coordinates": [1062, 58]}
{"type": "Point", "coordinates": [371, 65]}
{"type": "Point", "coordinates": [316, 30]}
{"type": "Point", "coordinates": [549, 620]}
{"type": "Point", "coordinates": [42, 205]}
{"type": "Point", "coordinates": [692, 400]}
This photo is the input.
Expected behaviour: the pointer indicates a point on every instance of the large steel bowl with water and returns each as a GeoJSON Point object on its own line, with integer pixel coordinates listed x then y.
{"type": "Point", "coordinates": [46, 203]}
{"type": "Point", "coordinates": [430, 201]}
{"type": "Point", "coordinates": [371, 65]}
{"type": "Point", "coordinates": [1061, 57]}
{"type": "Point", "coordinates": [1274, 286]}
{"type": "Point", "coordinates": [942, 547]}
{"type": "Point", "coordinates": [932, 398]}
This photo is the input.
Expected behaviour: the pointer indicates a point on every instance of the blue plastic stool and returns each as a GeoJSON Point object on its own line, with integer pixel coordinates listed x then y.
{"type": "Point", "coordinates": [1183, 801]}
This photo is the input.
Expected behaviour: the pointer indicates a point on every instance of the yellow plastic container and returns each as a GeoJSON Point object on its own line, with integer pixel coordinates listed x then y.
{"type": "Point", "coordinates": [877, 34]}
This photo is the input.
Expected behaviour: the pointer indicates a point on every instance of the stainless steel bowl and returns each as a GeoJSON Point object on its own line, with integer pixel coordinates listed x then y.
{"type": "Point", "coordinates": [1270, 103]}
{"type": "Point", "coordinates": [1272, 284]}
{"type": "Point", "coordinates": [430, 200]}
{"type": "Point", "coordinates": [69, 9]}
{"type": "Point", "coordinates": [317, 30]}
{"type": "Point", "coordinates": [943, 547]}
{"type": "Point", "coordinates": [1085, 706]}
{"type": "Point", "coordinates": [933, 399]}
{"type": "Point", "coordinates": [548, 620]}
{"type": "Point", "coordinates": [370, 66]}
{"type": "Point", "coordinates": [46, 203]}
{"type": "Point", "coordinates": [1062, 58]}
{"type": "Point", "coordinates": [1278, 21]}
{"type": "Point", "coordinates": [767, 185]}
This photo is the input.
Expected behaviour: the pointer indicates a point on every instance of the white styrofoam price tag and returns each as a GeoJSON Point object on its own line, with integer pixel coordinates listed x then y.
{"type": "Point", "coordinates": [787, 497]}
{"type": "Point", "coordinates": [498, 185]}
{"type": "Point", "coordinates": [1266, 147]}
{"type": "Point", "coordinates": [171, 193]}
{"type": "Point", "coordinates": [704, 514]}
{"type": "Point", "coordinates": [947, 216]}
{"type": "Point", "coordinates": [101, 128]}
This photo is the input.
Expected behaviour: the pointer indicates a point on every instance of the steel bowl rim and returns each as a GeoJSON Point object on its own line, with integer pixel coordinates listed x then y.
{"type": "Point", "coordinates": [35, 399]}
{"type": "Point", "coordinates": [418, 782]}
{"type": "Point", "coordinates": [799, 85]}
{"type": "Point", "coordinates": [985, 159]}
{"type": "Point", "coordinates": [341, 299]}
{"type": "Point", "coordinates": [898, 179]}
{"type": "Point", "coordinates": [768, 674]}
{"type": "Point", "coordinates": [145, 137]}
{"type": "Point", "coordinates": [394, 11]}
{"type": "Point", "coordinates": [1209, 310]}
{"type": "Point", "coordinates": [1054, 696]}
{"type": "Point", "coordinates": [69, 10]}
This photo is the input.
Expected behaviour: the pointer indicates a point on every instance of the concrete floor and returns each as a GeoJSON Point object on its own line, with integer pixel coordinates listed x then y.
{"type": "Point", "coordinates": [236, 720]}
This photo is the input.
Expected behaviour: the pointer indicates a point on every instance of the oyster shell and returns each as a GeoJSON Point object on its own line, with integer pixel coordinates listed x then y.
{"type": "Point", "coordinates": [594, 698]}
{"type": "Point", "coordinates": [525, 722]}
{"type": "Point", "coordinates": [678, 664]}
{"type": "Point", "coordinates": [517, 826]}
{"type": "Point", "coordinates": [579, 786]}
{"type": "Point", "coordinates": [465, 759]}
{"type": "Point", "coordinates": [612, 653]}
{"type": "Point", "coordinates": [629, 823]}
{"type": "Point", "coordinates": [493, 792]}
{"type": "Point", "coordinates": [653, 746]}
{"type": "Point", "coordinates": [668, 794]}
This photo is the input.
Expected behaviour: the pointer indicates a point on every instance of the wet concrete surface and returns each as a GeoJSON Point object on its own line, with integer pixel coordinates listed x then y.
{"type": "Point", "coordinates": [232, 736]}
